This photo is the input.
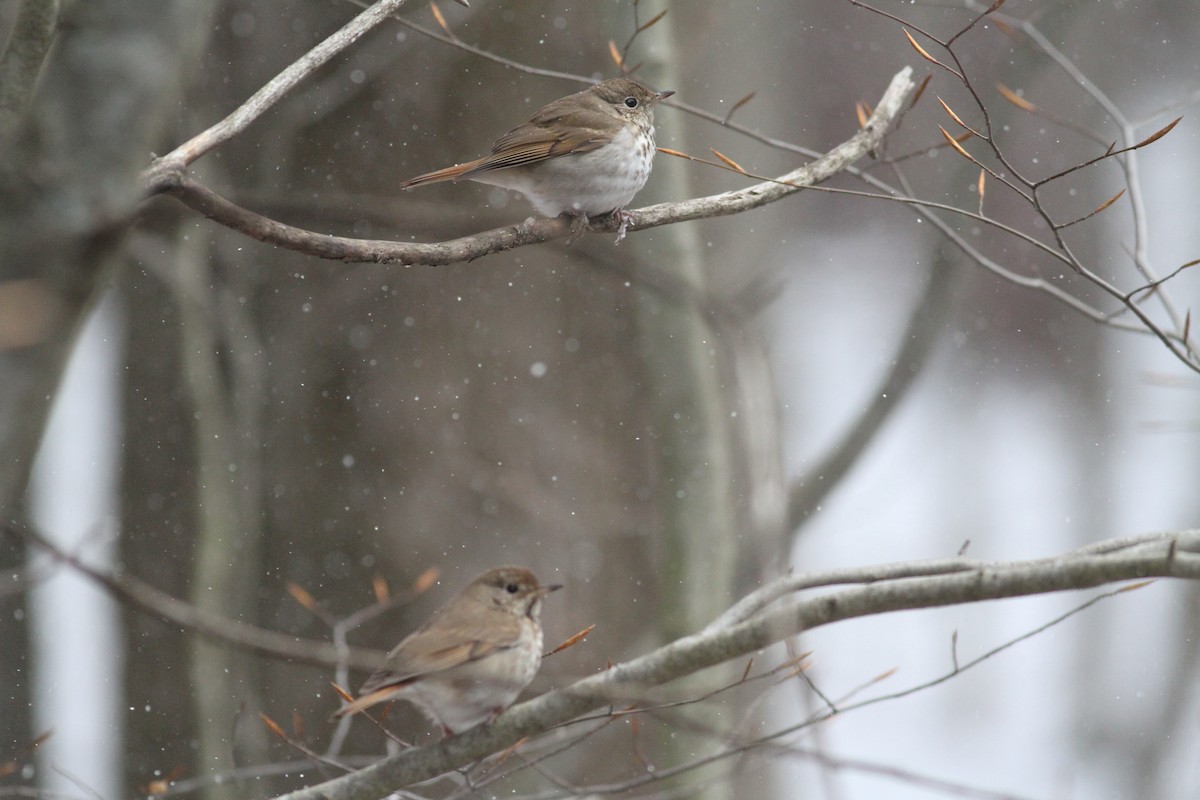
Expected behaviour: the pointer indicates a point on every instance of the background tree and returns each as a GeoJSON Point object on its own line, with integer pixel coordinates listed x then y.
{"type": "Point", "coordinates": [606, 414]}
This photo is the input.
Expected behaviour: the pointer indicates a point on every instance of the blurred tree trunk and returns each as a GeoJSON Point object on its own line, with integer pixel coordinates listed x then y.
{"type": "Point", "coordinates": [69, 186]}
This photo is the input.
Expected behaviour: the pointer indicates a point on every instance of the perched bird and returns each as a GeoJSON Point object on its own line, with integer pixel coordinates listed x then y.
{"type": "Point", "coordinates": [584, 155]}
{"type": "Point", "coordinates": [471, 659]}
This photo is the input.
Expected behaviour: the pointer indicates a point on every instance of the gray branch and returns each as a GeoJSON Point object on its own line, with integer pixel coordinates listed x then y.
{"type": "Point", "coordinates": [168, 176]}
{"type": "Point", "coordinates": [768, 616]}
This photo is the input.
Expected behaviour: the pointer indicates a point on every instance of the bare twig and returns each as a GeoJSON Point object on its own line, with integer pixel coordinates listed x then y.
{"type": "Point", "coordinates": [144, 597]}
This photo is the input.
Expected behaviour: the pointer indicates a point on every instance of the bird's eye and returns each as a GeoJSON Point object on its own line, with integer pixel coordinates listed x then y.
{"type": "Point", "coordinates": [631, 102]}
{"type": "Point", "coordinates": [511, 588]}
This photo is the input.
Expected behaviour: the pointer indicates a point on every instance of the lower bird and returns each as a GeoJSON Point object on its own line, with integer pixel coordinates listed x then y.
{"type": "Point", "coordinates": [471, 659]}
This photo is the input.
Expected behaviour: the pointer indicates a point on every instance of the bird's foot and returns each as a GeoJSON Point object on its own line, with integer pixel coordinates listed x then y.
{"type": "Point", "coordinates": [579, 226]}
{"type": "Point", "coordinates": [623, 219]}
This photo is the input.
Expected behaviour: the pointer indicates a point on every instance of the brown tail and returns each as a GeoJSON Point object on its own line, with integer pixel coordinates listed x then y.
{"type": "Point", "coordinates": [366, 701]}
{"type": "Point", "coordinates": [448, 174]}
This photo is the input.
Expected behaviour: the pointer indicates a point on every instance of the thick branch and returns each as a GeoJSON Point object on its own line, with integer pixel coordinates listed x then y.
{"type": "Point", "coordinates": [1164, 555]}
{"type": "Point", "coordinates": [169, 178]}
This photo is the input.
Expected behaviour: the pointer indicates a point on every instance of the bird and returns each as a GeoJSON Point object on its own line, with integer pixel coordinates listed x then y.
{"type": "Point", "coordinates": [583, 155]}
{"type": "Point", "coordinates": [471, 659]}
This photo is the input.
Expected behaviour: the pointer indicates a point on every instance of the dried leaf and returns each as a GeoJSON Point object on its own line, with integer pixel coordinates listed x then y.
{"type": "Point", "coordinates": [297, 725]}
{"type": "Point", "coordinates": [953, 116]}
{"type": "Point", "coordinates": [1004, 27]}
{"type": "Point", "coordinates": [571, 641]}
{"type": "Point", "coordinates": [380, 588]}
{"type": "Point", "coordinates": [994, 7]}
{"type": "Point", "coordinates": [301, 596]}
{"type": "Point", "coordinates": [863, 112]}
{"type": "Point", "coordinates": [425, 580]}
{"type": "Point", "coordinates": [729, 162]}
{"type": "Point", "coordinates": [920, 89]}
{"type": "Point", "coordinates": [1154, 137]}
{"type": "Point", "coordinates": [1133, 587]}
{"type": "Point", "coordinates": [921, 50]}
{"type": "Point", "coordinates": [437, 15]}
{"type": "Point", "coordinates": [614, 52]}
{"type": "Point", "coordinates": [1015, 99]}
{"type": "Point", "coordinates": [163, 785]}
{"type": "Point", "coordinates": [794, 662]}
{"type": "Point", "coordinates": [1107, 203]}
{"type": "Point", "coordinates": [1187, 325]}
{"type": "Point", "coordinates": [157, 787]}
{"type": "Point", "coordinates": [979, 187]}
{"type": "Point", "coordinates": [342, 693]}
{"type": "Point", "coordinates": [883, 676]}
{"type": "Point", "coordinates": [635, 739]}
{"type": "Point", "coordinates": [954, 143]}
{"type": "Point", "coordinates": [669, 152]}
{"type": "Point", "coordinates": [274, 726]}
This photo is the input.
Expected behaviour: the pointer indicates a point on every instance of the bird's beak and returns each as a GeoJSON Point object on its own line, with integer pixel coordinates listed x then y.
{"type": "Point", "coordinates": [545, 590]}
{"type": "Point", "coordinates": [665, 95]}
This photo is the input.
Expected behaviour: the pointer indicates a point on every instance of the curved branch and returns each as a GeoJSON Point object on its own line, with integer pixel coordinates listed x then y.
{"type": "Point", "coordinates": [169, 177]}
{"type": "Point", "coordinates": [1161, 555]}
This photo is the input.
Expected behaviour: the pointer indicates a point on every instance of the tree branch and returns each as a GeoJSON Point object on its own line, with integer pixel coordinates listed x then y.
{"type": "Point", "coordinates": [140, 595]}
{"type": "Point", "coordinates": [168, 177]}
{"type": "Point", "coordinates": [161, 169]}
{"type": "Point", "coordinates": [1159, 555]}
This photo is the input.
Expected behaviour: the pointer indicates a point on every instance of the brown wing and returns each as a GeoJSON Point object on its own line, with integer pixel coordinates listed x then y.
{"type": "Point", "coordinates": [575, 124]}
{"type": "Point", "coordinates": [433, 648]}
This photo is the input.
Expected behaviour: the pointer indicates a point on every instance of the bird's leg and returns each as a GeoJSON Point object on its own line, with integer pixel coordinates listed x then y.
{"type": "Point", "coordinates": [579, 225]}
{"type": "Point", "coordinates": [623, 219]}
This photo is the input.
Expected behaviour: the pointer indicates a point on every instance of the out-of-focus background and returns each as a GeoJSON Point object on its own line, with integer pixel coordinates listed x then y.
{"type": "Point", "coordinates": [626, 420]}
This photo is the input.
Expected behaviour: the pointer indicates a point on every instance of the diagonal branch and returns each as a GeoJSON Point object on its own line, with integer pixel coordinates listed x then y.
{"type": "Point", "coordinates": [140, 595]}
{"type": "Point", "coordinates": [161, 169]}
{"type": "Point", "coordinates": [1159, 555]}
